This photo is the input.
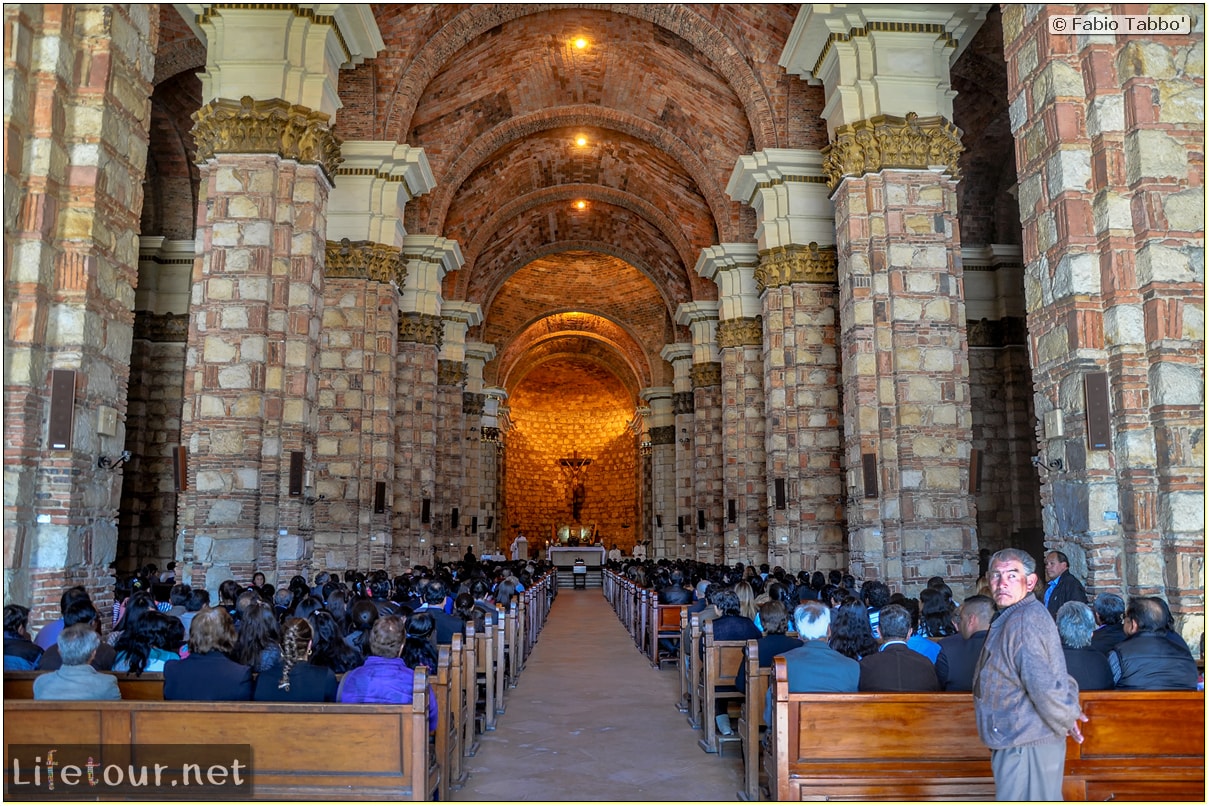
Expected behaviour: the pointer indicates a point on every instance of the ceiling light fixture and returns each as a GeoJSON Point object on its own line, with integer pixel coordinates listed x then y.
{"type": "Point", "coordinates": [580, 43]}
{"type": "Point", "coordinates": [581, 205]}
{"type": "Point", "coordinates": [581, 141]}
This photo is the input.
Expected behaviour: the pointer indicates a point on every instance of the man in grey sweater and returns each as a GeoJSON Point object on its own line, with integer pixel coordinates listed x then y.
{"type": "Point", "coordinates": [1025, 702]}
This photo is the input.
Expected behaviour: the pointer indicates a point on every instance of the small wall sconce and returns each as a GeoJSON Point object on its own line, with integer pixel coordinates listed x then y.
{"type": "Point", "coordinates": [106, 463]}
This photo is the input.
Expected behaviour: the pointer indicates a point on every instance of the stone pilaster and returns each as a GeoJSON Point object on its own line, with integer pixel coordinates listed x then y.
{"type": "Point", "coordinates": [478, 488]}
{"type": "Point", "coordinates": [680, 356]}
{"type": "Point", "coordinates": [75, 156]}
{"type": "Point", "coordinates": [452, 517]}
{"type": "Point", "coordinates": [661, 434]}
{"type": "Point", "coordinates": [1114, 282]}
{"type": "Point", "coordinates": [491, 449]}
{"type": "Point", "coordinates": [740, 347]}
{"type": "Point", "coordinates": [421, 330]}
{"type": "Point", "coordinates": [796, 281]}
{"type": "Point", "coordinates": [708, 507]}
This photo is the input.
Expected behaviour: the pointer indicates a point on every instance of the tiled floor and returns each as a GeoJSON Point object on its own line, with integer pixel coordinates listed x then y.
{"type": "Point", "coordinates": [590, 719]}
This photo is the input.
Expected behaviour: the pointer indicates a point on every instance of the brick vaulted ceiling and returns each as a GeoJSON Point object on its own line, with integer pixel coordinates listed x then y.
{"type": "Point", "coordinates": [666, 97]}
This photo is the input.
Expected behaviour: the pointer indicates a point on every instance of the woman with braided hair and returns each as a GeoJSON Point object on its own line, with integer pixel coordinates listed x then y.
{"type": "Point", "coordinates": [295, 678]}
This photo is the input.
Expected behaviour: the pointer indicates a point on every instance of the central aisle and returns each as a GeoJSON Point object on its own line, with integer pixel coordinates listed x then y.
{"type": "Point", "coordinates": [590, 719]}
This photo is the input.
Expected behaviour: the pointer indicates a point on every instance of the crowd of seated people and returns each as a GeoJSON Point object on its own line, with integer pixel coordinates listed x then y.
{"type": "Point", "coordinates": [1107, 643]}
{"type": "Point", "coordinates": [292, 643]}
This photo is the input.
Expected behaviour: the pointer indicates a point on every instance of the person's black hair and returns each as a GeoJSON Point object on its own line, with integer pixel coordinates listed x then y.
{"type": "Point", "coordinates": [16, 618]}
{"type": "Point", "coordinates": [329, 647]}
{"type": "Point", "coordinates": [198, 598]}
{"type": "Point", "coordinates": [851, 634]}
{"type": "Point", "coordinates": [81, 612]}
{"type": "Point", "coordinates": [418, 649]}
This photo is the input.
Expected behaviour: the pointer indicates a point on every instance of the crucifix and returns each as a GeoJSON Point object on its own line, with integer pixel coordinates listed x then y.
{"type": "Point", "coordinates": [574, 468]}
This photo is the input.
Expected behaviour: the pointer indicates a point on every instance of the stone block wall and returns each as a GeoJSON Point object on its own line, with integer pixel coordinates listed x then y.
{"type": "Point", "coordinates": [415, 445]}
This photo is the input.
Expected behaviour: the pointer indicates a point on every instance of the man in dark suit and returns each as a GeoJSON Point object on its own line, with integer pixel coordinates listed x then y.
{"type": "Point", "coordinates": [896, 667]}
{"type": "Point", "coordinates": [814, 666]}
{"type": "Point", "coordinates": [1109, 610]}
{"type": "Point", "coordinates": [676, 593]}
{"type": "Point", "coordinates": [959, 653]}
{"type": "Point", "coordinates": [1062, 587]}
{"type": "Point", "coordinates": [434, 602]}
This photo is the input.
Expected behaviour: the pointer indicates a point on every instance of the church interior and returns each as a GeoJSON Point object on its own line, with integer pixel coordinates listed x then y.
{"type": "Point", "coordinates": [304, 287]}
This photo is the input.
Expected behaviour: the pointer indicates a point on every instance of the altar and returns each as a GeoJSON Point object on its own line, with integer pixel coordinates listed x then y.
{"type": "Point", "coordinates": [565, 556]}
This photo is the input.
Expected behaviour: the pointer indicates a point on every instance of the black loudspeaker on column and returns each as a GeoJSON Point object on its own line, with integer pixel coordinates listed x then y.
{"type": "Point", "coordinates": [62, 409]}
{"type": "Point", "coordinates": [975, 471]}
{"type": "Point", "coordinates": [426, 511]}
{"type": "Point", "coordinates": [1099, 411]}
{"type": "Point", "coordinates": [296, 460]}
{"type": "Point", "coordinates": [379, 497]}
{"type": "Point", "coordinates": [869, 471]}
{"type": "Point", "coordinates": [180, 468]}
{"type": "Point", "coordinates": [453, 518]}
{"type": "Point", "coordinates": [779, 493]}
{"type": "Point", "coordinates": [701, 519]}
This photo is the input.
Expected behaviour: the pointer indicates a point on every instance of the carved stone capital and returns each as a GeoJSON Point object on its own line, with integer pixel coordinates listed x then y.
{"type": "Point", "coordinates": [787, 265]}
{"type": "Point", "coordinates": [274, 126]}
{"type": "Point", "coordinates": [888, 142]}
{"type": "Point", "coordinates": [452, 373]}
{"type": "Point", "coordinates": [168, 327]}
{"type": "Point", "coordinates": [709, 374]}
{"type": "Point", "coordinates": [472, 403]}
{"type": "Point", "coordinates": [490, 433]}
{"type": "Point", "coordinates": [663, 435]}
{"type": "Point", "coordinates": [742, 332]}
{"type": "Point", "coordinates": [364, 260]}
{"type": "Point", "coordinates": [682, 403]}
{"type": "Point", "coordinates": [421, 328]}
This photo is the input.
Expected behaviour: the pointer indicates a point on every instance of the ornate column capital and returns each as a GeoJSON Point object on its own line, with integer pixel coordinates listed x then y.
{"type": "Point", "coordinates": [420, 328]}
{"type": "Point", "coordinates": [797, 264]}
{"type": "Point", "coordinates": [248, 126]}
{"type": "Point", "coordinates": [451, 373]}
{"type": "Point", "coordinates": [364, 260]}
{"type": "Point", "coordinates": [889, 142]}
{"type": "Point", "coordinates": [709, 374]}
{"type": "Point", "coordinates": [746, 332]}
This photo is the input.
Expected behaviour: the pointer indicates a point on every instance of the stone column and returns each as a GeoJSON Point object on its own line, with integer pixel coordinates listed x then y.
{"type": "Point", "coordinates": [77, 88]}
{"type": "Point", "coordinates": [453, 523]}
{"type": "Point", "coordinates": [892, 167]}
{"type": "Point", "coordinates": [147, 518]}
{"type": "Point", "coordinates": [796, 281]}
{"type": "Point", "coordinates": [428, 259]}
{"type": "Point", "coordinates": [680, 356]}
{"type": "Point", "coordinates": [491, 450]}
{"type": "Point", "coordinates": [267, 156]}
{"type": "Point", "coordinates": [478, 489]}
{"type": "Point", "coordinates": [740, 344]}
{"type": "Point", "coordinates": [364, 276]}
{"type": "Point", "coordinates": [707, 505]}
{"type": "Point", "coordinates": [661, 432]}
{"type": "Point", "coordinates": [1113, 214]}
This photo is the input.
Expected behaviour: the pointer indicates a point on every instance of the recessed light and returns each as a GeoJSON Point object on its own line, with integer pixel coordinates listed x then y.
{"type": "Point", "coordinates": [581, 205]}
{"type": "Point", "coordinates": [581, 141]}
{"type": "Point", "coordinates": [580, 43]}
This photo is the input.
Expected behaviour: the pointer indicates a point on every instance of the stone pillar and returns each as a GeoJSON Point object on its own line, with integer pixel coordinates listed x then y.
{"type": "Point", "coordinates": [892, 165]}
{"type": "Point", "coordinates": [364, 276]}
{"type": "Point", "coordinates": [491, 451]}
{"type": "Point", "coordinates": [478, 489]}
{"type": "Point", "coordinates": [267, 157]}
{"type": "Point", "coordinates": [147, 518]}
{"type": "Point", "coordinates": [740, 344]}
{"type": "Point", "coordinates": [77, 88]}
{"type": "Point", "coordinates": [680, 356]}
{"type": "Point", "coordinates": [796, 283]}
{"type": "Point", "coordinates": [1113, 214]}
{"type": "Point", "coordinates": [707, 511]}
{"type": "Point", "coordinates": [449, 503]}
{"type": "Point", "coordinates": [428, 259]}
{"type": "Point", "coordinates": [661, 433]}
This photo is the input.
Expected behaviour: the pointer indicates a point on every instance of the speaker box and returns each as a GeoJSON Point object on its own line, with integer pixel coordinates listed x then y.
{"type": "Point", "coordinates": [680, 524]}
{"type": "Point", "coordinates": [779, 493]}
{"type": "Point", "coordinates": [1099, 411]}
{"type": "Point", "coordinates": [474, 524]}
{"type": "Point", "coordinates": [62, 409]}
{"type": "Point", "coordinates": [426, 511]}
{"type": "Point", "coordinates": [701, 519]}
{"type": "Point", "coordinates": [180, 468]}
{"type": "Point", "coordinates": [869, 471]}
{"type": "Point", "coordinates": [296, 461]}
{"type": "Point", "coordinates": [453, 518]}
{"type": "Point", "coordinates": [975, 471]}
{"type": "Point", "coordinates": [731, 514]}
{"type": "Point", "coordinates": [379, 497]}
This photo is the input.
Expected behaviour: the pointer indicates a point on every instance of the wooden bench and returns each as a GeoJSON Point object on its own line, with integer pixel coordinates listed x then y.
{"type": "Point", "coordinates": [663, 624]}
{"type": "Point", "coordinates": [376, 752]}
{"type": "Point", "coordinates": [925, 746]}
{"type": "Point", "coordinates": [720, 660]}
{"type": "Point", "coordinates": [150, 686]}
{"type": "Point", "coordinates": [752, 720]}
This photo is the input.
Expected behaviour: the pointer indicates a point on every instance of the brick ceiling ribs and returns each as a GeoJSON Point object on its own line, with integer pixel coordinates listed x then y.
{"type": "Point", "coordinates": [667, 96]}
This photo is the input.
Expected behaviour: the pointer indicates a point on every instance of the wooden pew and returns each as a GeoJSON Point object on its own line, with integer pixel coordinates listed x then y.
{"type": "Point", "coordinates": [382, 752]}
{"type": "Point", "coordinates": [1138, 746]}
{"type": "Point", "coordinates": [447, 688]}
{"type": "Point", "coordinates": [663, 622]}
{"type": "Point", "coordinates": [687, 680]}
{"type": "Point", "coordinates": [752, 720]}
{"type": "Point", "coordinates": [720, 661]}
{"type": "Point", "coordinates": [150, 686]}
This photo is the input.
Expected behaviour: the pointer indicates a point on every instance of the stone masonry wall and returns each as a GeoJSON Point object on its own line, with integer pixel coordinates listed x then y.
{"type": "Point", "coordinates": [415, 450]}
{"type": "Point", "coordinates": [743, 479]}
{"type": "Point", "coordinates": [707, 468]}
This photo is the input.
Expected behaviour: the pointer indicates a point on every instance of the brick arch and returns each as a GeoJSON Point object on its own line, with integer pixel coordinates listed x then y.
{"type": "Point", "coordinates": [725, 212]}
{"type": "Point", "coordinates": [512, 368]}
{"type": "Point", "coordinates": [677, 19]}
{"type": "Point", "coordinates": [581, 321]}
{"type": "Point", "coordinates": [487, 229]}
{"type": "Point", "coordinates": [178, 49]}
